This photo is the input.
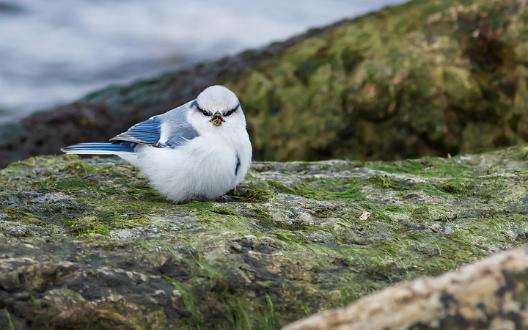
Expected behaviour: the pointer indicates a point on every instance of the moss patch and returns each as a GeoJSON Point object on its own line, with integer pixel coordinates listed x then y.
{"type": "Point", "coordinates": [423, 78]}
{"type": "Point", "coordinates": [320, 234]}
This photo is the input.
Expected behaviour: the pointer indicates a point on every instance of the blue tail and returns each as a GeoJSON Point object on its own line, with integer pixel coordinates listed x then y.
{"type": "Point", "coordinates": [99, 148]}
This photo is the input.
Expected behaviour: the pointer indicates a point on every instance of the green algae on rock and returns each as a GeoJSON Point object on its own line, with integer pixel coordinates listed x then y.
{"type": "Point", "coordinates": [424, 78]}
{"type": "Point", "coordinates": [88, 241]}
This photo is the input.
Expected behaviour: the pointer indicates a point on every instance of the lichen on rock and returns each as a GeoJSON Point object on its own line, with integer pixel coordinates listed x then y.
{"type": "Point", "coordinates": [87, 240]}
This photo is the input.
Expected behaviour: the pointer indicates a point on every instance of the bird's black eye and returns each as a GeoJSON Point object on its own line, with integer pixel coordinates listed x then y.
{"type": "Point", "coordinates": [230, 112]}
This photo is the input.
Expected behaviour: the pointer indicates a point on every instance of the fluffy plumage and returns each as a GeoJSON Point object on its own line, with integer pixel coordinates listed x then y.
{"type": "Point", "coordinates": [200, 150]}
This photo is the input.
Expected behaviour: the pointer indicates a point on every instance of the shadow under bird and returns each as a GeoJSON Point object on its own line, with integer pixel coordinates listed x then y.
{"type": "Point", "coordinates": [200, 150]}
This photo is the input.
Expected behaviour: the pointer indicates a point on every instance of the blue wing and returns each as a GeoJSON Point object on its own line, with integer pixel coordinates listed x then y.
{"type": "Point", "coordinates": [146, 132]}
{"type": "Point", "coordinates": [170, 129]}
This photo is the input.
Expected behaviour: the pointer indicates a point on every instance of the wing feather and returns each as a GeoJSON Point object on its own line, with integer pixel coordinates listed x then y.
{"type": "Point", "coordinates": [172, 126]}
{"type": "Point", "coordinates": [145, 132]}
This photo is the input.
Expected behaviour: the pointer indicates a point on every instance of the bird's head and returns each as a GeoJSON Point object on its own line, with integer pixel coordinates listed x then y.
{"type": "Point", "coordinates": [217, 108]}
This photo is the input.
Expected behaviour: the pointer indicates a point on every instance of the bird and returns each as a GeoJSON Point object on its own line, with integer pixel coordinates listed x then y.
{"type": "Point", "coordinates": [198, 151]}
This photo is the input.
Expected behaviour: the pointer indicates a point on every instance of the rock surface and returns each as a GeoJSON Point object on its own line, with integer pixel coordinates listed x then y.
{"type": "Point", "coordinates": [436, 77]}
{"type": "Point", "coordinates": [490, 294]}
{"type": "Point", "coordinates": [86, 242]}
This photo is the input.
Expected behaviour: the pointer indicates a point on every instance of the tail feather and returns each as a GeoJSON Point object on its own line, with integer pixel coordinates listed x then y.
{"type": "Point", "coordinates": [99, 148]}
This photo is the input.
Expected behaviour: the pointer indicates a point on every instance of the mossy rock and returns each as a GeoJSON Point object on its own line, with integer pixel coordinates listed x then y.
{"type": "Point", "coordinates": [423, 78]}
{"type": "Point", "coordinates": [86, 242]}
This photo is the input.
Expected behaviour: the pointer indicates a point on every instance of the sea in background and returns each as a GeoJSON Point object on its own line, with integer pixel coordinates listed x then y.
{"type": "Point", "coordinates": [52, 52]}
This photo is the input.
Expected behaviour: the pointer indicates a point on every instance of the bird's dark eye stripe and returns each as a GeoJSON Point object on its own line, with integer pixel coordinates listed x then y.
{"type": "Point", "coordinates": [205, 112]}
{"type": "Point", "coordinates": [230, 112]}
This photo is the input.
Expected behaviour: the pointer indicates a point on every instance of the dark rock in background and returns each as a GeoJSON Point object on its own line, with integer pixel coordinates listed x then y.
{"type": "Point", "coordinates": [105, 113]}
{"type": "Point", "coordinates": [424, 78]}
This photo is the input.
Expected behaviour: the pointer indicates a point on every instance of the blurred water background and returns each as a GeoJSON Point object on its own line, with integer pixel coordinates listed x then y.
{"type": "Point", "coordinates": [53, 52]}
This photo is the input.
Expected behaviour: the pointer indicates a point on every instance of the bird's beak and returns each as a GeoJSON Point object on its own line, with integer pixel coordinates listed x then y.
{"type": "Point", "coordinates": [217, 119]}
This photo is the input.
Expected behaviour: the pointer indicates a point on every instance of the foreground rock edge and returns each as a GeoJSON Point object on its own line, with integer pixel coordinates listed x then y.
{"type": "Point", "coordinates": [489, 294]}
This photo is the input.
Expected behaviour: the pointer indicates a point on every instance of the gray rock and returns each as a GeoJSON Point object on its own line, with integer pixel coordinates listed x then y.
{"type": "Point", "coordinates": [88, 243]}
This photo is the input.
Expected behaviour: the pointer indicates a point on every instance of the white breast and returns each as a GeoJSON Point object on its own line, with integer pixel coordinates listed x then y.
{"type": "Point", "coordinates": [203, 168]}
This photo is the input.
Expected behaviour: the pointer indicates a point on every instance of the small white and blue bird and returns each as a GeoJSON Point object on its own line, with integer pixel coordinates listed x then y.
{"type": "Point", "coordinates": [200, 150]}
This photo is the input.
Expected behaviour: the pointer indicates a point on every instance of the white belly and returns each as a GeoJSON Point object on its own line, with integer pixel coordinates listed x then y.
{"type": "Point", "coordinates": [202, 168]}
